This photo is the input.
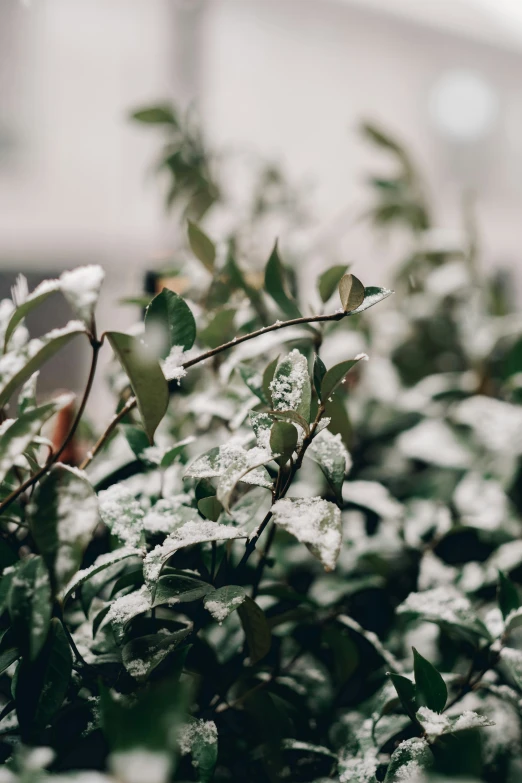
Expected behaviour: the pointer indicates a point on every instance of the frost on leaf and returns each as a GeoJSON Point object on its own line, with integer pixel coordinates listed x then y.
{"type": "Point", "coordinates": [101, 563]}
{"type": "Point", "coordinates": [290, 387]}
{"type": "Point", "coordinates": [63, 515]}
{"type": "Point", "coordinates": [188, 534]}
{"type": "Point", "coordinates": [222, 602]}
{"type": "Point", "coordinates": [200, 738]}
{"type": "Point", "coordinates": [329, 452]}
{"type": "Point", "coordinates": [215, 462]}
{"type": "Point", "coordinates": [372, 495]}
{"type": "Point", "coordinates": [435, 724]}
{"type": "Point", "coordinates": [122, 514]}
{"type": "Point", "coordinates": [81, 287]}
{"type": "Point", "coordinates": [168, 515]}
{"type": "Point", "coordinates": [409, 761]}
{"type": "Point", "coordinates": [247, 464]}
{"type": "Point", "coordinates": [314, 522]}
{"type": "Point", "coordinates": [444, 606]}
{"type": "Point", "coordinates": [126, 607]}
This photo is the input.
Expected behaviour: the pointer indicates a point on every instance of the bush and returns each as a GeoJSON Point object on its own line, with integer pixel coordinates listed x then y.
{"type": "Point", "coordinates": [208, 597]}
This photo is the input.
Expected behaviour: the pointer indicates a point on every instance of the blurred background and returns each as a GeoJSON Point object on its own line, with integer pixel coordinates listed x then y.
{"type": "Point", "coordinates": [287, 81]}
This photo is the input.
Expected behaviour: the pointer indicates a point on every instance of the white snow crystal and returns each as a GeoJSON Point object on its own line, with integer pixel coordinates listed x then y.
{"type": "Point", "coordinates": [81, 287]}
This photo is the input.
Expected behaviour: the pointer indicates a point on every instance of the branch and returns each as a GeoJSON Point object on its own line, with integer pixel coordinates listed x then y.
{"type": "Point", "coordinates": [132, 402]}
{"type": "Point", "coordinates": [53, 458]}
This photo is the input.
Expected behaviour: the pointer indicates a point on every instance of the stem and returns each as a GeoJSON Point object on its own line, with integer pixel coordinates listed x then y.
{"type": "Point", "coordinates": [281, 492]}
{"type": "Point", "coordinates": [132, 402]}
{"type": "Point", "coordinates": [56, 456]}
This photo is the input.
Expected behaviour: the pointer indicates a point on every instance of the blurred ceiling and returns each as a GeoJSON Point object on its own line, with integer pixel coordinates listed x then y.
{"type": "Point", "coordinates": [497, 22]}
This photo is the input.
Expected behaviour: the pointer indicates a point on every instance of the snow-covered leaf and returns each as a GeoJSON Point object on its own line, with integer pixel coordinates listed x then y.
{"type": "Point", "coordinates": [330, 454]}
{"type": "Point", "coordinates": [218, 460]}
{"type": "Point", "coordinates": [29, 604]}
{"type": "Point", "coordinates": [100, 564]}
{"type": "Point", "coordinates": [63, 514]}
{"type": "Point", "coordinates": [372, 296]}
{"type": "Point", "coordinates": [17, 366]}
{"type": "Point", "coordinates": [81, 287]}
{"type": "Point", "coordinates": [436, 724]}
{"type": "Point", "coordinates": [409, 761]}
{"type": "Point", "coordinates": [200, 738]}
{"type": "Point", "coordinates": [290, 387]}
{"type": "Point", "coordinates": [29, 303]}
{"type": "Point", "coordinates": [142, 655]}
{"type": "Point", "coordinates": [314, 522]}
{"type": "Point", "coordinates": [18, 435]}
{"type": "Point", "coordinates": [223, 601]}
{"type": "Point", "coordinates": [446, 607]}
{"type": "Point", "coordinates": [190, 533]}
{"type": "Point", "coordinates": [251, 461]}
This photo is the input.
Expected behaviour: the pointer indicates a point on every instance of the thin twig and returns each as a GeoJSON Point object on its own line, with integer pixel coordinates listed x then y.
{"type": "Point", "coordinates": [57, 454]}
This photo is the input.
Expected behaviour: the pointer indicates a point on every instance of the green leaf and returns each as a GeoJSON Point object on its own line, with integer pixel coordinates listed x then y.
{"type": "Point", "coordinates": [315, 523]}
{"type": "Point", "coordinates": [220, 329]}
{"type": "Point", "coordinates": [372, 296]}
{"type": "Point", "coordinates": [39, 295]}
{"type": "Point", "coordinates": [256, 628]}
{"type": "Point", "coordinates": [151, 720]}
{"type": "Point", "coordinates": [351, 291]}
{"type": "Point", "coordinates": [202, 247]}
{"type": "Point", "coordinates": [319, 373]}
{"type": "Point", "coordinates": [18, 436]}
{"type": "Point", "coordinates": [215, 463]}
{"type": "Point", "coordinates": [17, 366]}
{"type": "Point", "coordinates": [328, 281]}
{"type": "Point", "coordinates": [291, 388]}
{"type": "Point", "coordinates": [268, 377]}
{"type": "Point", "coordinates": [336, 375]}
{"type": "Point", "coordinates": [222, 602]}
{"type": "Point", "coordinates": [412, 756]}
{"type": "Point", "coordinates": [62, 515]}
{"type": "Point", "coordinates": [27, 394]}
{"type": "Point", "coordinates": [430, 688]}
{"type": "Point", "coordinates": [156, 115]}
{"type": "Point", "coordinates": [30, 606]}
{"type": "Point", "coordinates": [210, 507]}
{"type": "Point", "coordinates": [41, 685]}
{"type": "Point", "coordinates": [289, 416]}
{"type": "Point", "coordinates": [176, 588]}
{"type": "Point", "coordinates": [243, 468]}
{"type": "Point", "coordinates": [102, 563]}
{"type": "Point", "coordinates": [199, 738]}
{"type": "Point", "coordinates": [146, 378]}
{"type": "Point", "coordinates": [137, 440]}
{"type": "Point", "coordinates": [283, 441]}
{"type": "Point", "coordinates": [276, 285]}
{"type": "Point", "coordinates": [330, 454]}
{"type": "Point", "coordinates": [142, 655]}
{"type": "Point", "coordinates": [406, 693]}
{"type": "Point", "coordinates": [507, 594]}
{"type": "Point", "coordinates": [169, 322]}
{"type": "Point", "coordinates": [9, 652]}
{"type": "Point", "coordinates": [170, 455]}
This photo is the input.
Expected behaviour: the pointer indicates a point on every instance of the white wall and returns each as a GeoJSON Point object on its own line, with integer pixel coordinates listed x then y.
{"type": "Point", "coordinates": [293, 78]}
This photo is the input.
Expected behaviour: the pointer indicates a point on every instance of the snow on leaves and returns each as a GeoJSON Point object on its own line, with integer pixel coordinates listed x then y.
{"type": "Point", "coordinates": [315, 523]}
